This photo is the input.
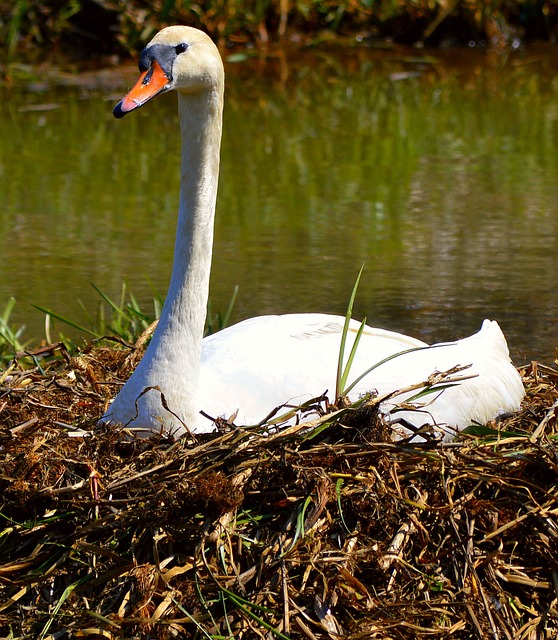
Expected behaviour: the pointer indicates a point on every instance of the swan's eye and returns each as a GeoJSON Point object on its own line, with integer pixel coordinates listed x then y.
{"type": "Point", "coordinates": [180, 48]}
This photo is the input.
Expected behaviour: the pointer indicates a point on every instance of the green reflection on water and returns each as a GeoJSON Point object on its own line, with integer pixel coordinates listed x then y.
{"type": "Point", "coordinates": [441, 177]}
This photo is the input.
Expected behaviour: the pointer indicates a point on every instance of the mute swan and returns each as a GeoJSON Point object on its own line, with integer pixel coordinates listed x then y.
{"type": "Point", "coordinates": [263, 362]}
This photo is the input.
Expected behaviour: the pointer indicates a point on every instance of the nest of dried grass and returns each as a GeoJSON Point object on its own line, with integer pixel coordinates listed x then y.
{"type": "Point", "coordinates": [327, 531]}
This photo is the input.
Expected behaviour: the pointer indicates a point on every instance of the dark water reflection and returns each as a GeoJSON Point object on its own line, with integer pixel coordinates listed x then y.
{"type": "Point", "coordinates": [439, 173]}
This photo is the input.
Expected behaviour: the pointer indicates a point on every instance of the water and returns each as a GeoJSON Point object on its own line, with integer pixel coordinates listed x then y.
{"type": "Point", "coordinates": [438, 171]}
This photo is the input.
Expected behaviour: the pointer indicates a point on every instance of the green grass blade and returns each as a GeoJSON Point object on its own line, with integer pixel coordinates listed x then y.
{"type": "Point", "coordinates": [218, 322]}
{"type": "Point", "coordinates": [119, 309]}
{"type": "Point", "coordinates": [247, 608]}
{"type": "Point", "coordinates": [67, 591]}
{"type": "Point", "coordinates": [350, 359]}
{"type": "Point", "coordinates": [257, 619]}
{"type": "Point", "coordinates": [348, 316]}
{"type": "Point", "coordinates": [431, 389]}
{"type": "Point", "coordinates": [299, 531]}
{"type": "Point", "coordinates": [70, 323]}
{"type": "Point", "coordinates": [8, 310]}
{"type": "Point", "coordinates": [338, 486]}
{"type": "Point", "coordinates": [392, 357]}
{"type": "Point", "coordinates": [192, 619]}
{"type": "Point", "coordinates": [492, 434]}
{"type": "Point", "coordinates": [226, 615]}
{"type": "Point", "coordinates": [228, 313]}
{"type": "Point", "coordinates": [9, 336]}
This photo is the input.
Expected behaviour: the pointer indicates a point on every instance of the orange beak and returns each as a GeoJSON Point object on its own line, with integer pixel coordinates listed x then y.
{"type": "Point", "coordinates": [148, 85]}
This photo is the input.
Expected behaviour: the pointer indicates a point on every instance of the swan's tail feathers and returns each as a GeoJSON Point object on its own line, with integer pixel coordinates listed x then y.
{"type": "Point", "coordinates": [490, 330]}
{"type": "Point", "coordinates": [498, 388]}
{"type": "Point", "coordinates": [506, 376]}
{"type": "Point", "coordinates": [492, 386]}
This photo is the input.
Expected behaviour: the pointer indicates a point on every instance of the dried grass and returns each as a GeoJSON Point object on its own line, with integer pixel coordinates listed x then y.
{"type": "Point", "coordinates": [327, 531]}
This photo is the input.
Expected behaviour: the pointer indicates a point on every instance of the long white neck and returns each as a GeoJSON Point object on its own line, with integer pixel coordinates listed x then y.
{"type": "Point", "coordinates": [176, 344]}
{"type": "Point", "coordinates": [172, 360]}
{"type": "Point", "coordinates": [183, 316]}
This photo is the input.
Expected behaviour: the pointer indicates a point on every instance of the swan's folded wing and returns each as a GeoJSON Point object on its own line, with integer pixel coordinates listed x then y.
{"type": "Point", "coordinates": [265, 362]}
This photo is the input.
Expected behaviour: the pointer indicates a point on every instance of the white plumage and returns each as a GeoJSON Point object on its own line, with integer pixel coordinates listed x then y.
{"type": "Point", "coordinates": [256, 365]}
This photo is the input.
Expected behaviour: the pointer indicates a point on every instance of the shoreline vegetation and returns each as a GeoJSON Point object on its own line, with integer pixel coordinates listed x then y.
{"type": "Point", "coordinates": [81, 29]}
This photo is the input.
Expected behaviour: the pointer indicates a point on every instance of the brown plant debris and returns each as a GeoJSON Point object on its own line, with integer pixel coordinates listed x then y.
{"type": "Point", "coordinates": [315, 532]}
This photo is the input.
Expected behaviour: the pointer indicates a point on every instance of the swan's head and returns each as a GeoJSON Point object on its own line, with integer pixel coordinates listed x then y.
{"type": "Point", "coordinates": [180, 58]}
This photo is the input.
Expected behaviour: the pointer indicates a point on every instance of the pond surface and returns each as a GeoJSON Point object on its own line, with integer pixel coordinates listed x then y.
{"type": "Point", "coordinates": [436, 170]}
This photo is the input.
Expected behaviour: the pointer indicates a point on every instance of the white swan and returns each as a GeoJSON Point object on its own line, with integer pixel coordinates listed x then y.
{"type": "Point", "coordinates": [258, 364]}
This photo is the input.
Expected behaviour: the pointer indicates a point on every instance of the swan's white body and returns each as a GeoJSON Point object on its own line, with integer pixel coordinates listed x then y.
{"type": "Point", "coordinates": [261, 363]}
